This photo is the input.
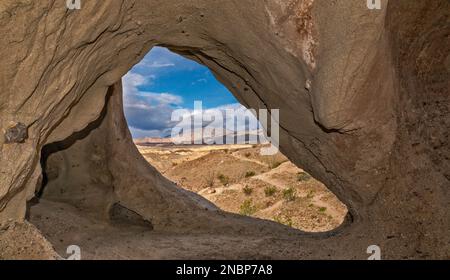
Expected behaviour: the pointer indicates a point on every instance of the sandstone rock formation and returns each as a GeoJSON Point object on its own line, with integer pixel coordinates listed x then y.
{"type": "Point", "coordinates": [363, 96]}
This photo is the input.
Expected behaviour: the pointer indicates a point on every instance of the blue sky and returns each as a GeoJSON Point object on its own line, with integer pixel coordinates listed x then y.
{"type": "Point", "coordinates": [164, 81]}
{"type": "Point", "coordinates": [172, 73]}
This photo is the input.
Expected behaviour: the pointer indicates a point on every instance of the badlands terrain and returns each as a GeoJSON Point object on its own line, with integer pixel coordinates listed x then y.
{"type": "Point", "coordinates": [237, 179]}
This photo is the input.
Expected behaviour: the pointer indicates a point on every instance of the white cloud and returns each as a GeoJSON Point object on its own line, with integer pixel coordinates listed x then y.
{"type": "Point", "coordinates": [147, 113]}
{"type": "Point", "coordinates": [237, 112]}
{"type": "Point", "coordinates": [140, 133]}
{"type": "Point", "coordinates": [131, 81]}
{"type": "Point", "coordinates": [244, 120]}
{"type": "Point", "coordinates": [156, 64]}
{"type": "Point", "coordinates": [161, 60]}
{"type": "Point", "coordinates": [200, 81]}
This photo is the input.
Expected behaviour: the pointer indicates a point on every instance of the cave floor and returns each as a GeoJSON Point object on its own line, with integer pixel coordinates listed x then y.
{"type": "Point", "coordinates": [64, 225]}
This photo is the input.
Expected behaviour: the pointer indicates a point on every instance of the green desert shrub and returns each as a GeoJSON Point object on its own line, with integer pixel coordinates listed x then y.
{"type": "Point", "coordinates": [303, 177]}
{"type": "Point", "coordinates": [247, 190]}
{"type": "Point", "coordinates": [225, 180]}
{"type": "Point", "coordinates": [287, 221]}
{"type": "Point", "coordinates": [247, 208]}
{"type": "Point", "coordinates": [270, 190]}
{"type": "Point", "coordinates": [250, 174]}
{"type": "Point", "coordinates": [210, 178]}
{"type": "Point", "coordinates": [289, 194]}
{"type": "Point", "coordinates": [310, 195]}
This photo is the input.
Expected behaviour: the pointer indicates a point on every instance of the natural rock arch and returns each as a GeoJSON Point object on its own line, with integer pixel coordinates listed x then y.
{"type": "Point", "coordinates": [348, 81]}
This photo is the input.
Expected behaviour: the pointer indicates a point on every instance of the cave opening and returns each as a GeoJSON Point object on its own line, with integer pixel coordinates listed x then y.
{"type": "Point", "coordinates": [221, 161]}
{"type": "Point", "coordinates": [77, 201]}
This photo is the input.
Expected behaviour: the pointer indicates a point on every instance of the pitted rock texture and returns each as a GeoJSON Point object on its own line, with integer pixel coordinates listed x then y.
{"type": "Point", "coordinates": [17, 133]}
{"type": "Point", "coordinates": [363, 96]}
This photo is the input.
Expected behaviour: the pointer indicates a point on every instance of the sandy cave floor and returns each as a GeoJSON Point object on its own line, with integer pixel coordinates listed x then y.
{"type": "Point", "coordinates": [64, 225]}
{"type": "Point", "coordinates": [102, 236]}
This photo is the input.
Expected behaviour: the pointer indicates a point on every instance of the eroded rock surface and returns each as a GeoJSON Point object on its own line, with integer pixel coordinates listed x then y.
{"type": "Point", "coordinates": [363, 96]}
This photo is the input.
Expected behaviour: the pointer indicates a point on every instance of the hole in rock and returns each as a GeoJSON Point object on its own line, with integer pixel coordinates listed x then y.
{"type": "Point", "coordinates": [172, 106]}
{"type": "Point", "coordinates": [76, 204]}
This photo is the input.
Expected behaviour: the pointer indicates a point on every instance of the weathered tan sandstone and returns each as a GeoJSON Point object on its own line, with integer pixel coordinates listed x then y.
{"type": "Point", "coordinates": [363, 97]}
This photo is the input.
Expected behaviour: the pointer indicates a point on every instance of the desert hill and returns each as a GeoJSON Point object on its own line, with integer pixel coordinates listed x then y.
{"type": "Point", "coordinates": [239, 180]}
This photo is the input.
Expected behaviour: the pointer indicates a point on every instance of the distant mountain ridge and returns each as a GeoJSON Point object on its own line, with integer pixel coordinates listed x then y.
{"type": "Point", "coordinates": [189, 139]}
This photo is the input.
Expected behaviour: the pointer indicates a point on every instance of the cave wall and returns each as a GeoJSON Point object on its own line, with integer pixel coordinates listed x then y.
{"type": "Point", "coordinates": [363, 99]}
